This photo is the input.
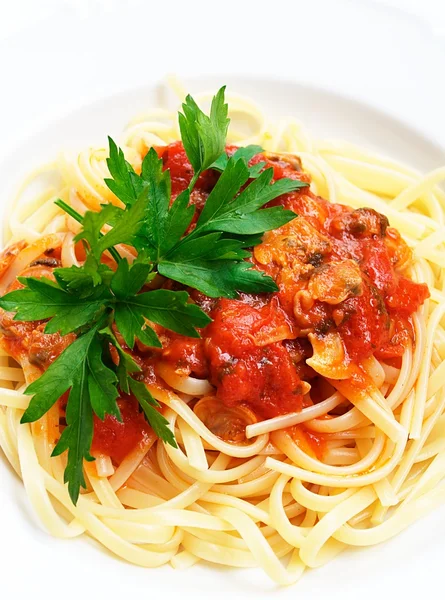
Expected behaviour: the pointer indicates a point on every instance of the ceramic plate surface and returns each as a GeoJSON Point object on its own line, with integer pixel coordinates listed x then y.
{"type": "Point", "coordinates": [33, 561]}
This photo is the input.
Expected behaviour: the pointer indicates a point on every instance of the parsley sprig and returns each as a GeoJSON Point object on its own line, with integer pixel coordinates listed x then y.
{"type": "Point", "coordinates": [96, 300]}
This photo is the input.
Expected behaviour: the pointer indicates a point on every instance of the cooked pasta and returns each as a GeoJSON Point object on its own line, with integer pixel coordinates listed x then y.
{"type": "Point", "coordinates": [355, 457]}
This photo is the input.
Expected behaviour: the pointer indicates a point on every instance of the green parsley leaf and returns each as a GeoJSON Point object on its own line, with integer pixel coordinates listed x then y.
{"type": "Point", "coordinates": [132, 325]}
{"type": "Point", "coordinates": [245, 153]}
{"type": "Point", "coordinates": [92, 224]}
{"type": "Point", "coordinates": [80, 369]}
{"type": "Point", "coordinates": [178, 220]}
{"type": "Point", "coordinates": [43, 299]}
{"type": "Point", "coordinates": [260, 192]}
{"type": "Point", "coordinates": [125, 184]}
{"type": "Point", "coordinates": [128, 280]}
{"type": "Point", "coordinates": [223, 212]}
{"type": "Point", "coordinates": [170, 310]}
{"type": "Point", "coordinates": [211, 246]}
{"type": "Point", "coordinates": [125, 284]}
{"type": "Point", "coordinates": [218, 278]}
{"type": "Point", "coordinates": [228, 249]}
{"type": "Point", "coordinates": [80, 281]}
{"type": "Point", "coordinates": [256, 222]}
{"type": "Point", "coordinates": [157, 421]}
{"type": "Point", "coordinates": [159, 189]}
{"type": "Point", "coordinates": [245, 241]}
{"type": "Point", "coordinates": [163, 227]}
{"type": "Point", "coordinates": [57, 379]}
{"type": "Point", "coordinates": [128, 384]}
{"type": "Point", "coordinates": [101, 382]}
{"type": "Point", "coordinates": [203, 136]}
{"type": "Point", "coordinates": [196, 260]}
{"type": "Point", "coordinates": [126, 224]}
{"type": "Point", "coordinates": [126, 364]}
{"type": "Point", "coordinates": [255, 170]}
{"type": "Point", "coordinates": [234, 176]}
{"type": "Point", "coordinates": [77, 435]}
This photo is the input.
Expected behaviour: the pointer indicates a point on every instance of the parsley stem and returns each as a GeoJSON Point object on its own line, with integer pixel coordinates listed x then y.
{"type": "Point", "coordinates": [68, 209]}
{"type": "Point", "coordinates": [194, 180]}
{"type": "Point", "coordinates": [78, 217]}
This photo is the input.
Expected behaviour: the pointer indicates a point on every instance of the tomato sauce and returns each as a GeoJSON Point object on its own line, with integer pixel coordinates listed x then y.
{"type": "Point", "coordinates": [117, 438]}
{"type": "Point", "coordinates": [347, 262]}
{"type": "Point", "coordinates": [337, 269]}
{"type": "Point", "coordinates": [312, 443]}
{"type": "Point", "coordinates": [245, 370]}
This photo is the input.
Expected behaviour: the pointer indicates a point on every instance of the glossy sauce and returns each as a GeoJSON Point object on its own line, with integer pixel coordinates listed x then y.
{"type": "Point", "coordinates": [117, 438]}
{"type": "Point", "coordinates": [338, 270]}
{"type": "Point", "coordinates": [252, 352]}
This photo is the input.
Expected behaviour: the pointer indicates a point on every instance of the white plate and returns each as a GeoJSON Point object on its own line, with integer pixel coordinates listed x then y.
{"type": "Point", "coordinates": [34, 563]}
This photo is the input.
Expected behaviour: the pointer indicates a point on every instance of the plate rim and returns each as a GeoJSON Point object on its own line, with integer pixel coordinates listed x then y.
{"type": "Point", "coordinates": [387, 115]}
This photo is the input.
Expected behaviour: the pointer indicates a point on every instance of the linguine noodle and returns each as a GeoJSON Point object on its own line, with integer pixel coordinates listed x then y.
{"type": "Point", "coordinates": [267, 502]}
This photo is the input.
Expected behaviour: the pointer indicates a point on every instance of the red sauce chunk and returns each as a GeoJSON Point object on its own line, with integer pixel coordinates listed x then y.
{"type": "Point", "coordinates": [116, 439]}
{"type": "Point", "coordinates": [246, 371]}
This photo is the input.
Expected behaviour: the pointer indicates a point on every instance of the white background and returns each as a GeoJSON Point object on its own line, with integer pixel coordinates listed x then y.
{"type": "Point", "coordinates": [56, 55]}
